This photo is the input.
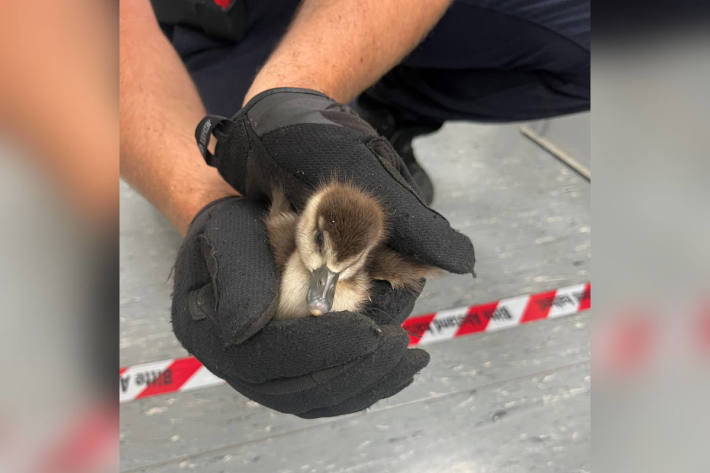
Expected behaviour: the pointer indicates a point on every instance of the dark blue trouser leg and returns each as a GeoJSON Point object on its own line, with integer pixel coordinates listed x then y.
{"type": "Point", "coordinates": [498, 60]}
{"type": "Point", "coordinates": [223, 71]}
{"type": "Point", "coordinates": [486, 60]}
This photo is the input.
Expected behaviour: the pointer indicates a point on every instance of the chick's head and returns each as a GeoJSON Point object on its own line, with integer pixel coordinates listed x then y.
{"type": "Point", "coordinates": [339, 226]}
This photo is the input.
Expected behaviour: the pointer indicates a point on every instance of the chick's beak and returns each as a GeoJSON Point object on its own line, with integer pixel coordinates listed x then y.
{"type": "Point", "coordinates": [321, 290]}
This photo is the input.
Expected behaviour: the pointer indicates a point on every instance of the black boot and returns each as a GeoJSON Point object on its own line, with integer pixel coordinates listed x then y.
{"type": "Point", "coordinates": [400, 132]}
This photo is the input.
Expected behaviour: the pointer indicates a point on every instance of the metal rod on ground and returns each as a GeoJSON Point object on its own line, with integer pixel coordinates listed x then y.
{"type": "Point", "coordinates": [551, 148]}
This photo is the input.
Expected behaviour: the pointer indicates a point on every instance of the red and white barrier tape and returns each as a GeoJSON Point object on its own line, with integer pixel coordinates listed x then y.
{"type": "Point", "coordinates": [184, 374]}
{"type": "Point", "coordinates": [497, 315]}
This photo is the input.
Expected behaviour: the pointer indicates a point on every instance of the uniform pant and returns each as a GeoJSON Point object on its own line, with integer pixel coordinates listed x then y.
{"type": "Point", "coordinates": [486, 60]}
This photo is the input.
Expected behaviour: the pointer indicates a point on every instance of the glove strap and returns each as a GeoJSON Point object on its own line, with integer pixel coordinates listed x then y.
{"type": "Point", "coordinates": [211, 125]}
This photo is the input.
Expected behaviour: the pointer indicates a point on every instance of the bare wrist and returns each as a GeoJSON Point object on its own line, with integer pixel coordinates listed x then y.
{"type": "Point", "coordinates": [186, 203]}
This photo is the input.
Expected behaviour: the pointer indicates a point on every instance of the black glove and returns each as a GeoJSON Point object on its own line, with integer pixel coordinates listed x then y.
{"type": "Point", "coordinates": [225, 295]}
{"type": "Point", "coordinates": [300, 138]}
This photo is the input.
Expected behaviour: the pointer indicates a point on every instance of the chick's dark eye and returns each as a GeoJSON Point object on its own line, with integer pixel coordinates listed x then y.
{"type": "Point", "coordinates": [319, 239]}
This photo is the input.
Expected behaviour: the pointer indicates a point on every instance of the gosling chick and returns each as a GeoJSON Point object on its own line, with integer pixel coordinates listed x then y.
{"type": "Point", "coordinates": [328, 255]}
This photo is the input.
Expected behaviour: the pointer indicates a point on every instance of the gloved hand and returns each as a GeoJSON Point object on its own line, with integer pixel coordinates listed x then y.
{"type": "Point", "coordinates": [224, 297]}
{"type": "Point", "coordinates": [300, 138]}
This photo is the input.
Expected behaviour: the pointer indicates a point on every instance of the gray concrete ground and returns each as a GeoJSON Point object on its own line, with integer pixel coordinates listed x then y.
{"type": "Point", "coordinates": [510, 401]}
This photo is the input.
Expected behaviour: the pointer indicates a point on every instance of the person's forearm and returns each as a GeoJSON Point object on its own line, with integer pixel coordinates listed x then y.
{"type": "Point", "coordinates": [341, 47]}
{"type": "Point", "coordinates": [160, 108]}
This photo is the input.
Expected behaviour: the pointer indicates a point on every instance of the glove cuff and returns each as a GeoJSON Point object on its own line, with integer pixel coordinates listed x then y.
{"type": "Point", "coordinates": [285, 106]}
{"type": "Point", "coordinates": [282, 90]}
{"type": "Point", "coordinates": [204, 210]}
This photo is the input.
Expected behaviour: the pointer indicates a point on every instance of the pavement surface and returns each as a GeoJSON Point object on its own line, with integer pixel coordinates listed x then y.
{"type": "Point", "coordinates": [510, 401]}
